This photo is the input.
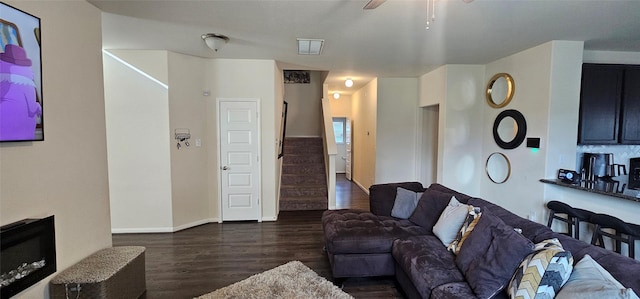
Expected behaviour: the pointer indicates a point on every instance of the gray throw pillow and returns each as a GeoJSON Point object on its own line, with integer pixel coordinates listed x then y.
{"type": "Point", "coordinates": [450, 221]}
{"type": "Point", "coordinates": [405, 203]}
{"type": "Point", "coordinates": [490, 255]}
{"type": "Point", "coordinates": [589, 280]}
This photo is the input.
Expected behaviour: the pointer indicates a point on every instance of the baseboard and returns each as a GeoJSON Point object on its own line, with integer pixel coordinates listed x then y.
{"type": "Point", "coordinates": [149, 230]}
{"type": "Point", "coordinates": [194, 224]}
{"type": "Point", "coordinates": [366, 190]}
{"type": "Point", "coordinates": [269, 218]}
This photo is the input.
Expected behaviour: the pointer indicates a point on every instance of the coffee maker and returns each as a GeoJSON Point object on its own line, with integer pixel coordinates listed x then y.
{"type": "Point", "coordinates": [601, 166]}
{"type": "Point", "coordinates": [599, 170]}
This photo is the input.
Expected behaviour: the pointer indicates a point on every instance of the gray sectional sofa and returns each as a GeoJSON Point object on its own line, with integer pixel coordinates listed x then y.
{"type": "Point", "coordinates": [373, 243]}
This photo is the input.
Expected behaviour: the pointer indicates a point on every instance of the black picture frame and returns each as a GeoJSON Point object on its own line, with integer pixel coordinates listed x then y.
{"type": "Point", "coordinates": [21, 54]}
{"type": "Point", "coordinates": [297, 77]}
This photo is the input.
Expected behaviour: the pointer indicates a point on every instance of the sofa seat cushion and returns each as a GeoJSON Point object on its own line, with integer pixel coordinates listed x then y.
{"type": "Point", "coordinates": [357, 231]}
{"type": "Point", "coordinates": [454, 290]}
{"type": "Point", "coordinates": [426, 262]}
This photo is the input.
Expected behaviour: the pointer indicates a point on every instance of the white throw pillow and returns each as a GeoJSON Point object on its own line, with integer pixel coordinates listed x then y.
{"type": "Point", "coordinates": [589, 280]}
{"type": "Point", "coordinates": [450, 221]}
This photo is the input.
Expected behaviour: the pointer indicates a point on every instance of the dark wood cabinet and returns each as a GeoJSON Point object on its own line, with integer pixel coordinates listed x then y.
{"type": "Point", "coordinates": [600, 104]}
{"type": "Point", "coordinates": [630, 120]}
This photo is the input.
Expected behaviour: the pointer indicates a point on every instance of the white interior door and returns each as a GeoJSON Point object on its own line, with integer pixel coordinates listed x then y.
{"type": "Point", "coordinates": [239, 126]}
{"type": "Point", "coordinates": [347, 142]}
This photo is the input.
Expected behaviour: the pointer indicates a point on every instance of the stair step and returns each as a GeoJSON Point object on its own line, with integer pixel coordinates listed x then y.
{"type": "Point", "coordinates": [295, 179]}
{"type": "Point", "coordinates": [297, 141]}
{"type": "Point", "coordinates": [302, 204]}
{"type": "Point", "coordinates": [289, 149]}
{"type": "Point", "coordinates": [303, 159]}
{"type": "Point", "coordinates": [303, 169]}
{"type": "Point", "coordinates": [303, 191]}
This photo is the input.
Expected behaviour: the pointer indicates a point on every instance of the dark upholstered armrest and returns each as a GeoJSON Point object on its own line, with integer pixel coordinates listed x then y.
{"type": "Point", "coordinates": [382, 196]}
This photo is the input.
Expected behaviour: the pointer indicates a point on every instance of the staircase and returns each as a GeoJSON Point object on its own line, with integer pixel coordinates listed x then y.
{"type": "Point", "coordinates": [304, 184]}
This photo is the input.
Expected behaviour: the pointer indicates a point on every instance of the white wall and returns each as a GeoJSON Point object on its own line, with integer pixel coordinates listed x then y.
{"type": "Point", "coordinates": [240, 78]}
{"type": "Point", "coordinates": [396, 130]}
{"type": "Point", "coordinates": [66, 174]}
{"type": "Point", "coordinates": [459, 130]}
{"type": "Point", "coordinates": [188, 109]}
{"type": "Point", "coordinates": [364, 115]}
{"type": "Point", "coordinates": [304, 114]}
{"type": "Point", "coordinates": [547, 88]}
{"type": "Point", "coordinates": [138, 135]}
{"type": "Point", "coordinates": [342, 106]}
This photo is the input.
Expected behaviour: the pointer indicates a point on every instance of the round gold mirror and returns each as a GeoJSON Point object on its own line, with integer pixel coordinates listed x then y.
{"type": "Point", "coordinates": [498, 168]}
{"type": "Point", "coordinates": [500, 90]}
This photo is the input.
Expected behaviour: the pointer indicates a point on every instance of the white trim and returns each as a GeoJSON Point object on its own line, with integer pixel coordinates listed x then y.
{"type": "Point", "coordinates": [269, 219]}
{"type": "Point", "coordinates": [162, 229]}
{"type": "Point", "coordinates": [361, 187]}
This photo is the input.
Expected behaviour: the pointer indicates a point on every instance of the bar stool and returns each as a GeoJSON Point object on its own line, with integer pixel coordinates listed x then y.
{"type": "Point", "coordinates": [624, 232]}
{"type": "Point", "coordinates": [574, 216]}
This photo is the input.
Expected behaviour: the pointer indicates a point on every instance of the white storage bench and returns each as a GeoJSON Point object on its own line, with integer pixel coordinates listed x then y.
{"type": "Point", "coordinates": [117, 272]}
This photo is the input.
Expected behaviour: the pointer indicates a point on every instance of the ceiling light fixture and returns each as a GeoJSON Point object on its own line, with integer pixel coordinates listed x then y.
{"type": "Point", "coordinates": [308, 46]}
{"type": "Point", "coordinates": [431, 12]}
{"type": "Point", "coordinates": [215, 41]}
{"type": "Point", "coordinates": [348, 82]}
{"type": "Point", "coordinates": [336, 95]}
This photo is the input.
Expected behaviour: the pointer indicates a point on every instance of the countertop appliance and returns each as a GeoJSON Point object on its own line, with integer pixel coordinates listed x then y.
{"type": "Point", "coordinates": [634, 173]}
{"type": "Point", "coordinates": [598, 165]}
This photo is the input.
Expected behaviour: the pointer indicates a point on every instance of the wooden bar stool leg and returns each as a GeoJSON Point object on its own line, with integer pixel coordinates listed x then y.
{"type": "Point", "coordinates": [576, 223]}
{"type": "Point", "coordinates": [551, 215]}
{"type": "Point", "coordinates": [632, 247]}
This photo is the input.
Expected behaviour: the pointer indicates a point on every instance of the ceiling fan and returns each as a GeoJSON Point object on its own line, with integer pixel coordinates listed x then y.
{"type": "Point", "coordinates": [373, 4]}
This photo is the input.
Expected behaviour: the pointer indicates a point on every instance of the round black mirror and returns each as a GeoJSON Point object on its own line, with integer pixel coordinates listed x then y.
{"type": "Point", "coordinates": [509, 129]}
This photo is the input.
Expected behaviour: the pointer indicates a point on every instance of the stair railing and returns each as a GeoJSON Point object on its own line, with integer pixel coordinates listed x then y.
{"type": "Point", "coordinates": [330, 152]}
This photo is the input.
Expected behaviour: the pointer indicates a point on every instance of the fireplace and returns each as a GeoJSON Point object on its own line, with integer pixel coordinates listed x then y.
{"type": "Point", "coordinates": [27, 255]}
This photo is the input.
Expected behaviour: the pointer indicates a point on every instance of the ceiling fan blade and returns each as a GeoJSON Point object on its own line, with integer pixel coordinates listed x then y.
{"type": "Point", "coordinates": [372, 4]}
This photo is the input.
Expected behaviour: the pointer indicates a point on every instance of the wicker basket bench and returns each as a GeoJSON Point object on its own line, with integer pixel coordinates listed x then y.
{"type": "Point", "coordinates": [117, 272]}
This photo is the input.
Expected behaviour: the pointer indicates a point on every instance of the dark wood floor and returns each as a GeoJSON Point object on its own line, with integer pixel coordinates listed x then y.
{"type": "Point", "coordinates": [199, 260]}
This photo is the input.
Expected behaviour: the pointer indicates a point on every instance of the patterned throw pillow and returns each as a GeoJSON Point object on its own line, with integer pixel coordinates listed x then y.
{"type": "Point", "coordinates": [543, 272]}
{"type": "Point", "coordinates": [467, 227]}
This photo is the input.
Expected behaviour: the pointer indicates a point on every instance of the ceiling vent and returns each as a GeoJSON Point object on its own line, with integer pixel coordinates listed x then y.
{"type": "Point", "coordinates": [307, 46]}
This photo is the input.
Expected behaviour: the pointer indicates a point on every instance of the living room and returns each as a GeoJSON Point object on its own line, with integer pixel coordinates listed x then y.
{"type": "Point", "coordinates": [68, 175]}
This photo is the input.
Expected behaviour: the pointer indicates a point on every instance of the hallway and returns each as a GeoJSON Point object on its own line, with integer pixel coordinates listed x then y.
{"type": "Point", "coordinates": [349, 195]}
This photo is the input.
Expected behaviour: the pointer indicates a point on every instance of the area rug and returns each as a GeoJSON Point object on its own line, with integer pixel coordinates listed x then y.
{"type": "Point", "coordinates": [291, 280]}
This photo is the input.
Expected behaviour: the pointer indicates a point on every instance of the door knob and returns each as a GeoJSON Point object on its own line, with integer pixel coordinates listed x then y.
{"type": "Point", "coordinates": [225, 168]}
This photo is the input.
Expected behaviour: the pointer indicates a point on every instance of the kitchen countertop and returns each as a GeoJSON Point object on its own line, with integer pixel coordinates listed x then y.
{"type": "Point", "coordinates": [626, 194]}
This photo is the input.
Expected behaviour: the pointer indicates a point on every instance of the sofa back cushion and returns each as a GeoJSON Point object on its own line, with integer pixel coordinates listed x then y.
{"type": "Point", "coordinates": [429, 208]}
{"type": "Point", "coordinates": [533, 231]}
{"type": "Point", "coordinates": [463, 198]}
{"type": "Point", "coordinates": [490, 255]}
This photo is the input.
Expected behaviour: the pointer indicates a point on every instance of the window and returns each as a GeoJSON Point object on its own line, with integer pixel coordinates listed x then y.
{"type": "Point", "coordinates": [338, 129]}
